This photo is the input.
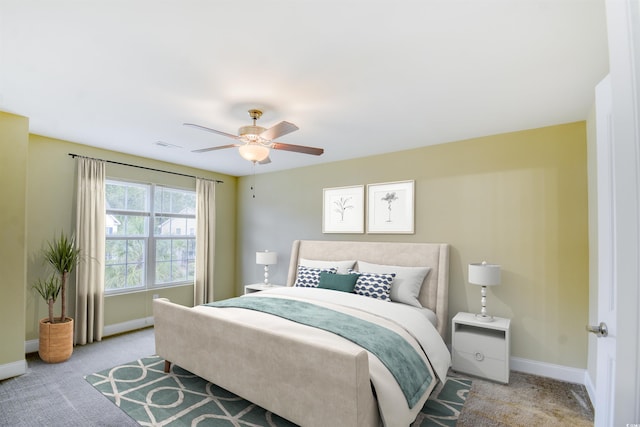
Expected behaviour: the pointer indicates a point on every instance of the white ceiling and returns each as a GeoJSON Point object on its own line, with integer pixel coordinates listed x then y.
{"type": "Point", "coordinates": [358, 77]}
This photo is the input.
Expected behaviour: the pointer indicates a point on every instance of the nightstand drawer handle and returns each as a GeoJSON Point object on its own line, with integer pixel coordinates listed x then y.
{"type": "Point", "coordinates": [479, 356]}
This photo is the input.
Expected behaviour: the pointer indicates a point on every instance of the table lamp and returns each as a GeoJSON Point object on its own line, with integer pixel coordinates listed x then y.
{"type": "Point", "coordinates": [484, 275]}
{"type": "Point", "coordinates": [266, 258]}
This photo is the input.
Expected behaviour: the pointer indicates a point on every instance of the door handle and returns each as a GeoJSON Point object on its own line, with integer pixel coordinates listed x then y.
{"type": "Point", "coordinates": [600, 330]}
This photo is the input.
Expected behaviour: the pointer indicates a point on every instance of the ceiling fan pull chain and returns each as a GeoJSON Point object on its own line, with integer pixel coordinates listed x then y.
{"type": "Point", "coordinates": [253, 179]}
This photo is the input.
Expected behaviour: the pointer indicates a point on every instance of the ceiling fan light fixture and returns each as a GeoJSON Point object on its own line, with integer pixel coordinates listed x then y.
{"type": "Point", "coordinates": [254, 152]}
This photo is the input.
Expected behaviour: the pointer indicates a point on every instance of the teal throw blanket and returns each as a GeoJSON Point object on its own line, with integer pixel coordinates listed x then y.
{"type": "Point", "coordinates": [394, 352]}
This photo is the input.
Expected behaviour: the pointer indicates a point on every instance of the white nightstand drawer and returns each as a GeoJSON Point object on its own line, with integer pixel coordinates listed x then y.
{"type": "Point", "coordinates": [491, 343]}
{"type": "Point", "coordinates": [481, 365]}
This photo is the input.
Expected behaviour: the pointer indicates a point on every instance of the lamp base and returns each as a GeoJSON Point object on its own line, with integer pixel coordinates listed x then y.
{"type": "Point", "coordinates": [484, 318]}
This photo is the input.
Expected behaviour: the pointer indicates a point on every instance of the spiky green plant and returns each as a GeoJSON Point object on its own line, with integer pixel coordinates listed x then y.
{"type": "Point", "coordinates": [61, 253]}
{"type": "Point", "coordinates": [49, 289]}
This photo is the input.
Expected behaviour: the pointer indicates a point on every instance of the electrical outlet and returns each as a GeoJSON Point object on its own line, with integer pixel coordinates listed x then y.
{"type": "Point", "coordinates": [156, 296]}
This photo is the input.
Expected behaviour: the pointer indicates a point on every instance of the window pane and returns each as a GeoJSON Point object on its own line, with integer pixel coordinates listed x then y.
{"type": "Point", "coordinates": [127, 196]}
{"type": "Point", "coordinates": [175, 260]}
{"type": "Point", "coordinates": [124, 263]}
{"type": "Point", "coordinates": [115, 276]}
{"type": "Point", "coordinates": [163, 250]}
{"type": "Point", "coordinates": [115, 195]}
{"type": "Point", "coordinates": [115, 251]}
{"type": "Point", "coordinates": [166, 226]}
{"type": "Point", "coordinates": [135, 275]}
{"type": "Point", "coordinates": [171, 200]}
{"type": "Point", "coordinates": [126, 225]}
{"type": "Point", "coordinates": [163, 272]}
{"type": "Point", "coordinates": [137, 198]}
{"type": "Point", "coordinates": [135, 251]}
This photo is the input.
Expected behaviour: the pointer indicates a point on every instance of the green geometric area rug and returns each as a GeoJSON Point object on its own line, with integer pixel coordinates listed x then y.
{"type": "Point", "coordinates": [179, 399]}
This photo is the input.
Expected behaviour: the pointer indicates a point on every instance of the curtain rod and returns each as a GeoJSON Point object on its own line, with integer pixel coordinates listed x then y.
{"type": "Point", "coordinates": [144, 167]}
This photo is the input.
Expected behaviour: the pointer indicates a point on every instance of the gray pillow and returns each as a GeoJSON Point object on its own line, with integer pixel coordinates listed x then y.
{"type": "Point", "coordinates": [406, 286]}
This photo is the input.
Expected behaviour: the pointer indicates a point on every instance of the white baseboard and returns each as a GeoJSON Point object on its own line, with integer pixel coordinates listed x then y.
{"type": "Point", "coordinates": [549, 370]}
{"type": "Point", "coordinates": [128, 326]}
{"type": "Point", "coordinates": [31, 346]}
{"type": "Point", "coordinates": [13, 369]}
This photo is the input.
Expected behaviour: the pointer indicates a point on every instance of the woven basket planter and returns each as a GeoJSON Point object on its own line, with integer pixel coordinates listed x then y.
{"type": "Point", "coordinates": [56, 340]}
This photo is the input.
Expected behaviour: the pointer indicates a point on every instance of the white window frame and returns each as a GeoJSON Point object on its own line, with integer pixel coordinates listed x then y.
{"type": "Point", "coordinates": [150, 238]}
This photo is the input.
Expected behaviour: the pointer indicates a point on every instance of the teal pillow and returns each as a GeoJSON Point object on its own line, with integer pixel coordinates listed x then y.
{"type": "Point", "coordinates": [338, 282]}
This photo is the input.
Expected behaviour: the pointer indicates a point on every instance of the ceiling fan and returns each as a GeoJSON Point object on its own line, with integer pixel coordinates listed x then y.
{"type": "Point", "coordinates": [255, 141]}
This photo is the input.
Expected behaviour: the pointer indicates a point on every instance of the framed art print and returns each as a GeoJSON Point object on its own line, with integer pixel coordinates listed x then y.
{"type": "Point", "coordinates": [343, 210]}
{"type": "Point", "coordinates": [390, 207]}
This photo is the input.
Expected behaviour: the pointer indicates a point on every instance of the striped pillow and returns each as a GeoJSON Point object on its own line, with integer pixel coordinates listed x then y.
{"type": "Point", "coordinates": [374, 285]}
{"type": "Point", "coordinates": [309, 277]}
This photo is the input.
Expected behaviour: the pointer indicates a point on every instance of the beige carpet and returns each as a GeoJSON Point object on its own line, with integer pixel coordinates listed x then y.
{"type": "Point", "coordinates": [528, 401]}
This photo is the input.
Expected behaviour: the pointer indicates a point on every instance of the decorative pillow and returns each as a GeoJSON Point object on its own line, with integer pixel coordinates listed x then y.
{"type": "Point", "coordinates": [342, 267]}
{"type": "Point", "coordinates": [373, 285]}
{"type": "Point", "coordinates": [406, 284]}
{"type": "Point", "coordinates": [338, 282]}
{"type": "Point", "coordinates": [310, 277]}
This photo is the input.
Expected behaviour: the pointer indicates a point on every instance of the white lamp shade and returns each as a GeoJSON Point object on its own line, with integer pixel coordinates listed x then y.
{"type": "Point", "coordinates": [254, 152]}
{"type": "Point", "coordinates": [266, 258]}
{"type": "Point", "coordinates": [484, 274]}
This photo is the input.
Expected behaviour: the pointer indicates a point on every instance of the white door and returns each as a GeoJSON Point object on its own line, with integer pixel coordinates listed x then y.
{"type": "Point", "coordinates": [606, 344]}
{"type": "Point", "coordinates": [619, 353]}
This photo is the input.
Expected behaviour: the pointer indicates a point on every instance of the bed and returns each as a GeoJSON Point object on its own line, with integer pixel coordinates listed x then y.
{"type": "Point", "coordinates": [309, 376]}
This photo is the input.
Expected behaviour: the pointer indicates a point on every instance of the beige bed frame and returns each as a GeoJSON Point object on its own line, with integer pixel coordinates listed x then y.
{"type": "Point", "coordinates": [252, 362]}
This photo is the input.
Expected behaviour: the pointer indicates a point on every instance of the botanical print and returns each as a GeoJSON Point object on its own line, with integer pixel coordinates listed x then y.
{"type": "Point", "coordinates": [390, 207]}
{"type": "Point", "coordinates": [342, 205]}
{"type": "Point", "coordinates": [343, 210]}
{"type": "Point", "coordinates": [390, 198]}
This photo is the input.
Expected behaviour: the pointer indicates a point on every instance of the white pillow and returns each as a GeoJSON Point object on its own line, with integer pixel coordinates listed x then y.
{"type": "Point", "coordinates": [342, 266]}
{"type": "Point", "coordinates": [406, 286]}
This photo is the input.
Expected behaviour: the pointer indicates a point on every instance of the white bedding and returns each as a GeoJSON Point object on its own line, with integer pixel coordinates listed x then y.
{"type": "Point", "coordinates": [405, 320]}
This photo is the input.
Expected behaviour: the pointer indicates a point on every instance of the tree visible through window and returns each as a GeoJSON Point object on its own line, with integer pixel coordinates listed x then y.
{"type": "Point", "coordinates": [150, 236]}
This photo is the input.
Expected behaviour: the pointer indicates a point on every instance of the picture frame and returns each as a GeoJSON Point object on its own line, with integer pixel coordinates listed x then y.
{"type": "Point", "coordinates": [391, 207]}
{"type": "Point", "coordinates": [343, 210]}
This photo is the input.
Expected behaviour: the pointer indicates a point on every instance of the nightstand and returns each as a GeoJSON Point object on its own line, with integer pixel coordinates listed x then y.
{"type": "Point", "coordinates": [481, 348]}
{"type": "Point", "coordinates": [257, 287]}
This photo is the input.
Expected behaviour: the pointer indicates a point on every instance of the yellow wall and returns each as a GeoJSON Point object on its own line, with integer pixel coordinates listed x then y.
{"type": "Point", "coordinates": [517, 199]}
{"type": "Point", "coordinates": [13, 263]}
{"type": "Point", "coordinates": [51, 175]}
{"type": "Point", "coordinates": [120, 308]}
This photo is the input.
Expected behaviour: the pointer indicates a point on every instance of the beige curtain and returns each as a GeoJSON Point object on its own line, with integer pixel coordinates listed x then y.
{"type": "Point", "coordinates": [90, 238]}
{"type": "Point", "coordinates": [205, 240]}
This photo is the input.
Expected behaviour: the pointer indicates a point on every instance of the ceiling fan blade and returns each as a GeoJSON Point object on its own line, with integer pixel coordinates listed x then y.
{"type": "Point", "coordinates": [265, 161]}
{"type": "Point", "coordinates": [211, 130]}
{"type": "Point", "coordinates": [297, 148]}
{"type": "Point", "coordinates": [278, 130]}
{"type": "Point", "coordinates": [219, 147]}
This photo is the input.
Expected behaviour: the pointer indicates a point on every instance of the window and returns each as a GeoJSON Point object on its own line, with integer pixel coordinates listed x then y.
{"type": "Point", "coordinates": [150, 236]}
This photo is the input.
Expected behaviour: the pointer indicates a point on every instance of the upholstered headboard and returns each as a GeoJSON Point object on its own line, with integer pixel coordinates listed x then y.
{"type": "Point", "coordinates": [434, 293]}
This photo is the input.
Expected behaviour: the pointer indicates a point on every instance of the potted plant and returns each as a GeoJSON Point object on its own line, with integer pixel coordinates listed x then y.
{"type": "Point", "coordinates": [56, 334]}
